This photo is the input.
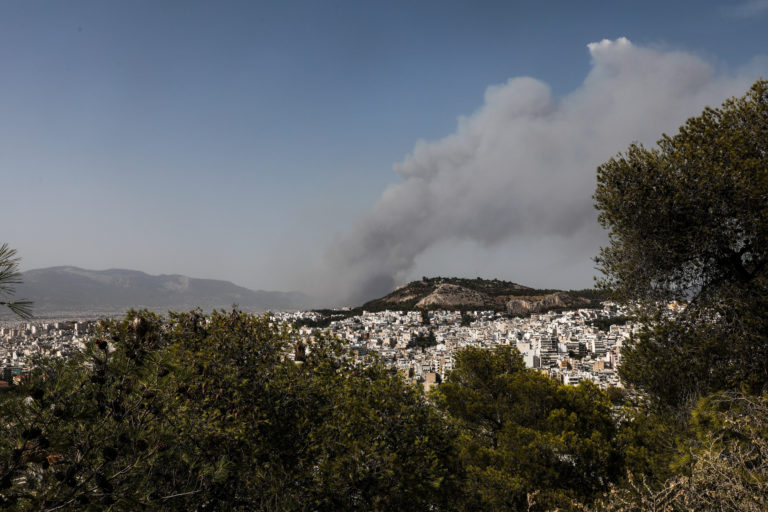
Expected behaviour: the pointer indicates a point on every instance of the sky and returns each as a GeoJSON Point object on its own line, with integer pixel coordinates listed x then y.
{"type": "Point", "coordinates": [343, 147]}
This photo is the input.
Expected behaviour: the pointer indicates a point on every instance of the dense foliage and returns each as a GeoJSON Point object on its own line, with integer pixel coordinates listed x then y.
{"type": "Point", "coordinates": [722, 463]}
{"type": "Point", "coordinates": [219, 412]}
{"type": "Point", "coordinates": [528, 443]}
{"type": "Point", "coordinates": [422, 341]}
{"type": "Point", "coordinates": [688, 221]}
{"type": "Point", "coordinates": [210, 412]}
{"type": "Point", "coordinates": [604, 324]}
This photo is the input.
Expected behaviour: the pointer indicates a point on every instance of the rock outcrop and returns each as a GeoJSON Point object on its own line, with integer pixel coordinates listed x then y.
{"type": "Point", "coordinates": [451, 293]}
{"type": "Point", "coordinates": [527, 305]}
{"type": "Point", "coordinates": [451, 296]}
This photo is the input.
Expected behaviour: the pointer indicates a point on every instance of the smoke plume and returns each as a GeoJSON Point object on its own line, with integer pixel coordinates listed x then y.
{"type": "Point", "coordinates": [522, 167]}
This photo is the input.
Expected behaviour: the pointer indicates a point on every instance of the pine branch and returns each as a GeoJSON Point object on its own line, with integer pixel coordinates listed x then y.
{"type": "Point", "coordinates": [21, 308]}
{"type": "Point", "coordinates": [9, 276]}
{"type": "Point", "coordinates": [9, 265]}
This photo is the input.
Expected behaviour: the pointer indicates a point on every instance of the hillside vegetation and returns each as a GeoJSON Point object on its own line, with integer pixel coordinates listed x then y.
{"type": "Point", "coordinates": [453, 293]}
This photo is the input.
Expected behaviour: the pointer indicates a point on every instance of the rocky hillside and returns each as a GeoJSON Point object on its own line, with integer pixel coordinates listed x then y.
{"type": "Point", "coordinates": [479, 294]}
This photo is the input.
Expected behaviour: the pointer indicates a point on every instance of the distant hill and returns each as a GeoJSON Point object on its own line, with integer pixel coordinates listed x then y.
{"type": "Point", "coordinates": [72, 289]}
{"type": "Point", "coordinates": [451, 293]}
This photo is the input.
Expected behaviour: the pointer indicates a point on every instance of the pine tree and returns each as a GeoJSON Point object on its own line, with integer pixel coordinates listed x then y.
{"type": "Point", "coordinates": [9, 277]}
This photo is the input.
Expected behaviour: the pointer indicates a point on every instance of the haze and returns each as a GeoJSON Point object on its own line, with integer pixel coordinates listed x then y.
{"type": "Point", "coordinates": [342, 148]}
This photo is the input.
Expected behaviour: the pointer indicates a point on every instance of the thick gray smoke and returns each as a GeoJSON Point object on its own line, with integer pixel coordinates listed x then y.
{"type": "Point", "coordinates": [522, 167]}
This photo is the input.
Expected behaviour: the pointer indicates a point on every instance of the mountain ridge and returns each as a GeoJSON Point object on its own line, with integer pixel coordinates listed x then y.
{"type": "Point", "coordinates": [68, 288]}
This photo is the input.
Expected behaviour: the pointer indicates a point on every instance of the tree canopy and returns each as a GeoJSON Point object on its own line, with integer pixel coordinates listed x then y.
{"type": "Point", "coordinates": [528, 443]}
{"type": "Point", "coordinates": [194, 412]}
{"type": "Point", "coordinates": [688, 221]}
{"type": "Point", "coordinates": [199, 412]}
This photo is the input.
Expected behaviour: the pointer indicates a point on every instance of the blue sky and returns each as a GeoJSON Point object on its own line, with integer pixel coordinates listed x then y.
{"type": "Point", "coordinates": [255, 141]}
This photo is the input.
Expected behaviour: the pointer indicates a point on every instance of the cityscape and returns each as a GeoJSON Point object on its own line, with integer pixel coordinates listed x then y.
{"type": "Point", "coordinates": [567, 345]}
{"type": "Point", "coordinates": [217, 215]}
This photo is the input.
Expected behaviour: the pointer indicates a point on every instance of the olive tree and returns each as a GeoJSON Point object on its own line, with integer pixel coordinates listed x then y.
{"type": "Point", "coordinates": [688, 222]}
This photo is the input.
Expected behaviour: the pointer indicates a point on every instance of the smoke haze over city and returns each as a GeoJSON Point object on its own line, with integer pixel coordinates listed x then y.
{"type": "Point", "coordinates": [520, 171]}
{"type": "Point", "coordinates": [343, 148]}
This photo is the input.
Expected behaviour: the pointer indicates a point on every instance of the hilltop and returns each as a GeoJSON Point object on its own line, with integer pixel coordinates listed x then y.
{"type": "Point", "coordinates": [453, 293]}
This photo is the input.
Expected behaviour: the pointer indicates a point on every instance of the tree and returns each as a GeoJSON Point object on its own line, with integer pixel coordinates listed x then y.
{"type": "Point", "coordinates": [211, 412]}
{"type": "Point", "coordinates": [329, 433]}
{"type": "Point", "coordinates": [527, 442]}
{"type": "Point", "coordinates": [422, 341]}
{"type": "Point", "coordinates": [722, 466]}
{"type": "Point", "coordinates": [688, 222]}
{"type": "Point", "coordinates": [9, 277]}
{"type": "Point", "coordinates": [93, 430]}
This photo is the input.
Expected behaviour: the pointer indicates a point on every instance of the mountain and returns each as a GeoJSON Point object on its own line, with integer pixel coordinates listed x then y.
{"type": "Point", "coordinates": [452, 293]}
{"type": "Point", "coordinates": [72, 289]}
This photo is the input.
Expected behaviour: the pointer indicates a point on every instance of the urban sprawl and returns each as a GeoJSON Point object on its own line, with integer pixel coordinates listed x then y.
{"type": "Point", "coordinates": [566, 344]}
